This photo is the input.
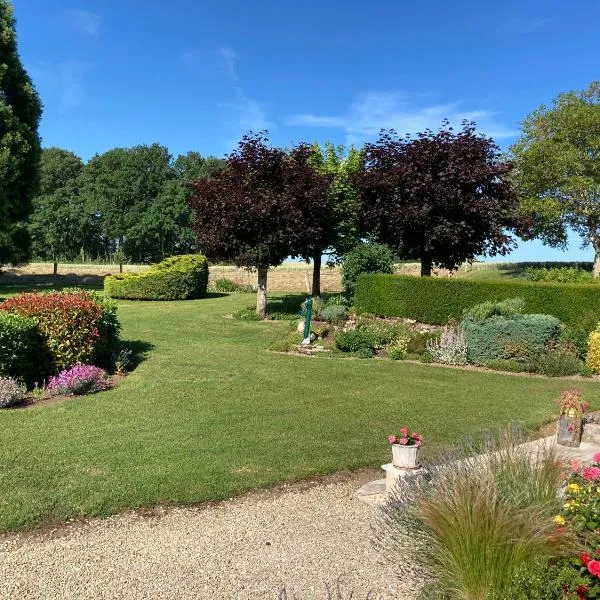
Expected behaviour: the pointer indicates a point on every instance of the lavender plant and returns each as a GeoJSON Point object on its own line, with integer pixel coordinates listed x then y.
{"type": "Point", "coordinates": [78, 380]}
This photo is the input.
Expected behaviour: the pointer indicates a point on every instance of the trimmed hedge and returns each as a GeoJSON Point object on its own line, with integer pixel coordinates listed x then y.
{"type": "Point", "coordinates": [516, 337]}
{"type": "Point", "coordinates": [177, 278]}
{"type": "Point", "coordinates": [21, 348]}
{"type": "Point", "coordinates": [433, 300]}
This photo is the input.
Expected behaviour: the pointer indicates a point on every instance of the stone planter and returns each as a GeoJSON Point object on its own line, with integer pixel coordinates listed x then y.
{"type": "Point", "coordinates": [405, 457]}
{"type": "Point", "coordinates": [569, 431]}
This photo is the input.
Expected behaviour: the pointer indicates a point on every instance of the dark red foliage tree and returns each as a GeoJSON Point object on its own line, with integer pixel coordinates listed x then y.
{"type": "Point", "coordinates": [263, 207]}
{"type": "Point", "coordinates": [441, 198]}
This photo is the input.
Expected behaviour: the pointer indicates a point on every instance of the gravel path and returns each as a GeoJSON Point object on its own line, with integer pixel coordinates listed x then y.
{"type": "Point", "coordinates": [301, 538]}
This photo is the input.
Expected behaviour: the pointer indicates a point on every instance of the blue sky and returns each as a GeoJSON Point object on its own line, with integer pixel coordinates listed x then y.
{"type": "Point", "coordinates": [197, 75]}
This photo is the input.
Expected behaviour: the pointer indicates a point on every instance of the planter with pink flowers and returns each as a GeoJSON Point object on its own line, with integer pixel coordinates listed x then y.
{"type": "Point", "coordinates": [405, 449]}
{"type": "Point", "coordinates": [570, 421]}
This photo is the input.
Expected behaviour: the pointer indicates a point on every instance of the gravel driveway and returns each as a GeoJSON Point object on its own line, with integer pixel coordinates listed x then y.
{"type": "Point", "coordinates": [300, 537]}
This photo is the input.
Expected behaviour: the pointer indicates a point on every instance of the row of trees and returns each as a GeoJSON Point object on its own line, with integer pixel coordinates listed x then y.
{"type": "Point", "coordinates": [441, 198]}
{"type": "Point", "coordinates": [128, 202]}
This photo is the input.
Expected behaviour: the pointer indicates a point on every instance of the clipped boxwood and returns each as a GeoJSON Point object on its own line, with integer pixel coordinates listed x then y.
{"type": "Point", "coordinates": [433, 300]}
{"type": "Point", "coordinates": [176, 278]}
{"type": "Point", "coordinates": [519, 337]}
{"type": "Point", "coordinates": [21, 348]}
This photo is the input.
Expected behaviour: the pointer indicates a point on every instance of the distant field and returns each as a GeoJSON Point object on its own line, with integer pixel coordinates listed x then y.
{"type": "Point", "coordinates": [289, 277]}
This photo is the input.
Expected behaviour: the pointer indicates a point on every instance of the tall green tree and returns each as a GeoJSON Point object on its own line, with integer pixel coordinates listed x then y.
{"type": "Point", "coordinates": [338, 223]}
{"type": "Point", "coordinates": [557, 171]}
{"type": "Point", "coordinates": [60, 224]}
{"type": "Point", "coordinates": [20, 113]}
{"type": "Point", "coordinates": [120, 186]}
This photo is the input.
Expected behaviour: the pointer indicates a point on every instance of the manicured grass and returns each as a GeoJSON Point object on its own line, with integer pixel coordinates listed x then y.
{"type": "Point", "coordinates": [211, 414]}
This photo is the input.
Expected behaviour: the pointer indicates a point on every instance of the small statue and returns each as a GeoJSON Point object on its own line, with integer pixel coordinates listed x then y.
{"type": "Point", "coordinates": [570, 421]}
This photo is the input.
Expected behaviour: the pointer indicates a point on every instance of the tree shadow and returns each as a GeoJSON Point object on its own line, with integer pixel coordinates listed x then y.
{"type": "Point", "coordinates": [139, 351]}
{"type": "Point", "coordinates": [12, 283]}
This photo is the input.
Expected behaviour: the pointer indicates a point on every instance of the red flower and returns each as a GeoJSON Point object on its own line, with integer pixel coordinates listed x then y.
{"type": "Point", "coordinates": [591, 473]}
{"type": "Point", "coordinates": [585, 558]}
{"type": "Point", "coordinates": [593, 566]}
{"type": "Point", "coordinates": [585, 405]}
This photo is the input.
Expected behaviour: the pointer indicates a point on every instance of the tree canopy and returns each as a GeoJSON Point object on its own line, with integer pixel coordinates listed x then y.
{"type": "Point", "coordinates": [557, 170]}
{"type": "Point", "coordinates": [20, 113]}
{"type": "Point", "coordinates": [440, 197]}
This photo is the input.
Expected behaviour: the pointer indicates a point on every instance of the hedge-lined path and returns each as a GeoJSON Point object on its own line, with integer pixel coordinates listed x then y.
{"type": "Point", "coordinates": [301, 537]}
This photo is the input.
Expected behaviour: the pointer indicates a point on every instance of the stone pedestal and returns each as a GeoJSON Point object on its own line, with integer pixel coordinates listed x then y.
{"type": "Point", "coordinates": [591, 433]}
{"type": "Point", "coordinates": [394, 474]}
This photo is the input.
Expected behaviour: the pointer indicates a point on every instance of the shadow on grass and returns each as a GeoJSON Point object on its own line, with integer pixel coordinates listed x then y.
{"type": "Point", "coordinates": [139, 351]}
{"type": "Point", "coordinates": [12, 284]}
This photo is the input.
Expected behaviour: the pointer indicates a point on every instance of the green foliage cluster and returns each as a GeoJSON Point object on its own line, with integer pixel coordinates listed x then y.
{"type": "Point", "coordinates": [435, 300]}
{"type": "Point", "coordinates": [175, 278]}
{"type": "Point", "coordinates": [560, 275]}
{"type": "Point", "coordinates": [503, 308]}
{"type": "Point", "coordinates": [382, 333]}
{"type": "Point", "coordinates": [365, 258]}
{"type": "Point", "coordinates": [334, 314]}
{"type": "Point", "coordinates": [21, 347]}
{"type": "Point", "coordinates": [354, 340]}
{"type": "Point", "coordinates": [224, 285]}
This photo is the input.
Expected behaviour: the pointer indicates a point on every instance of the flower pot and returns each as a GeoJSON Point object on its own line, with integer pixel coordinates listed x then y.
{"type": "Point", "coordinates": [569, 431]}
{"type": "Point", "coordinates": [405, 457]}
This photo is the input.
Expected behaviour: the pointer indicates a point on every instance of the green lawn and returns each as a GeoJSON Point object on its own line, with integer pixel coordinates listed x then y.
{"type": "Point", "coordinates": [211, 413]}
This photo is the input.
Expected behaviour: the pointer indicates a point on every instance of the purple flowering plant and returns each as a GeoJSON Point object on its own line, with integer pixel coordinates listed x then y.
{"type": "Point", "coordinates": [78, 380]}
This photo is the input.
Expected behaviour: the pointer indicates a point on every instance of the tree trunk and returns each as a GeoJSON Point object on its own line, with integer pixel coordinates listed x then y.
{"type": "Point", "coordinates": [316, 278]}
{"type": "Point", "coordinates": [596, 268]}
{"type": "Point", "coordinates": [261, 293]}
{"type": "Point", "coordinates": [426, 266]}
{"type": "Point", "coordinates": [55, 268]}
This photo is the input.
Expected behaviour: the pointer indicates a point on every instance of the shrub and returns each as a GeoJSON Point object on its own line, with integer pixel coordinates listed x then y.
{"type": "Point", "coordinates": [224, 285]}
{"type": "Point", "coordinates": [288, 343]}
{"type": "Point", "coordinates": [337, 300]}
{"type": "Point", "coordinates": [334, 314]}
{"type": "Point", "coordinates": [417, 342]}
{"type": "Point", "coordinates": [517, 337]}
{"type": "Point", "coordinates": [11, 392]}
{"type": "Point", "coordinates": [398, 350]}
{"type": "Point", "coordinates": [560, 275]}
{"type": "Point", "coordinates": [365, 258]}
{"type": "Point", "coordinates": [593, 354]}
{"type": "Point", "coordinates": [450, 348]}
{"type": "Point", "coordinates": [381, 332]}
{"type": "Point", "coordinates": [511, 365]}
{"type": "Point", "coordinates": [78, 380]}
{"type": "Point", "coordinates": [176, 278]}
{"type": "Point", "coordinates": [504, 308]}
{"type": "Point", "coordinates": [22, 352]}
{"type": "Point", "coordinates": [435, 300]}
{"type": "Point", "coordinates": [353, 341]}
{"type": "Point", "coordinates": [75, 325]}
{"type": "Point", "coordinates": [364, 353]}
{"type": "Point", "coordinates": [559, 360]}
{"type": "Point", "coordinates": [470, 525]}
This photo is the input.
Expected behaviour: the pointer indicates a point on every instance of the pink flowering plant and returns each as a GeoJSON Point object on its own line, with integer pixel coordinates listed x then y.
{"type": "Point", "coordinates": [406, 438]}
{"type": "Point", "coordinates": [78, 380]}
{"type": "Point", "coordinates": [581, 513]}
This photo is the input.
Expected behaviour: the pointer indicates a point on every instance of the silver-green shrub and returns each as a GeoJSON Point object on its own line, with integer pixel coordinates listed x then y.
{"type": "Point", "coordinates": [11, 392]}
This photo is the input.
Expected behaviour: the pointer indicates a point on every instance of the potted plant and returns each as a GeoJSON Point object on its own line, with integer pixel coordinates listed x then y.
{"type": "Point", "coordinates": [570, 421]}
{"type": "Point", "coordinates": [405, 449]}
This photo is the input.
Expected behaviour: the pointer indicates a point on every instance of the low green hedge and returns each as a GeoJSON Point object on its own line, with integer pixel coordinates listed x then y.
{"type": "Point", "coordinates": [515, 337]}
{"type": "Point", "coordinates": [21, 348]}
{"type": "Point", "coordinates": [177, 278]}
{"type": "Point", "coordinates": [434, 300]}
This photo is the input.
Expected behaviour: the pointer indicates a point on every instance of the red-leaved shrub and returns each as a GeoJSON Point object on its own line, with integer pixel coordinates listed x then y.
{"type": "Point", "coordinates": [77, 326]}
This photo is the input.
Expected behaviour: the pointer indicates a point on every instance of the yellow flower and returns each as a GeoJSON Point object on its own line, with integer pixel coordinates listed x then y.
{"type": "Point", "coordinates": [559, 520]}
{"type": "Point", "coordinates": [575, 487]}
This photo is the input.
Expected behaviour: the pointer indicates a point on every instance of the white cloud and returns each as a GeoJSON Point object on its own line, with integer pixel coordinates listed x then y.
{"type": "Point", "coordinates": [62, 85]}
{"type": "Point", "coordinates": [229, 58]}
{"type": "Point", "coordinates": [373, 111]}
{"type": "Point", "coordinates": [84, 22]}
{"type": "Point", "coordinates": [248, 114]}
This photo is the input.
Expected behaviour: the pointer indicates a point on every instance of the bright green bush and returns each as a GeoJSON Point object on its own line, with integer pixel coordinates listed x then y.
{"type": "Point", "coordinates": [417, 342]}
{"type": "Point", "coordinates": [176, 278]}
{"type": "Point", "coordinates": [224, 285]}
{"type": "Point", "coordinates": [560, 275]}
{"type": "Point", "coordinates": [365, 258]}
{"type": "Point", "coordinates": [504, 308]}
{"type": "Point", "coordinates": [556, 361]}
{"type": "Point", "coordinates": [517, 337]}
{"type": "Point", "coordinates": [435, 300]}
{"type": "Point", "coordinates": [353, 341]}
{"type": "Point", "coordinates": [21, 348]}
